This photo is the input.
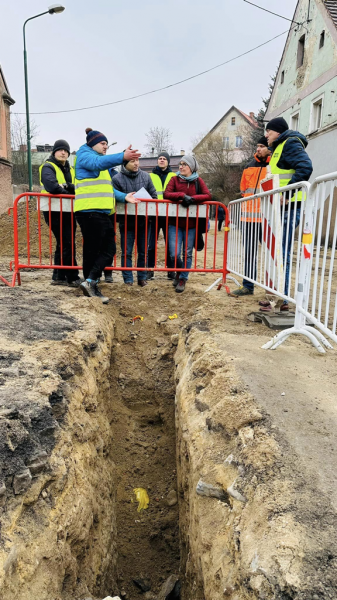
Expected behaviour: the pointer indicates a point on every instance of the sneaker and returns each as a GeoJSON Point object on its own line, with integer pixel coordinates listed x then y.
{"type": "Point", "coordinates": [99, 295]}
{"type": "Point", "coordinates": [88, 289]}
{"type": "Point", "coordinates": [59, 282]}
{"type": "Point", "coordinates": [128, 282]}
{"type": "Point", "coordinates": [180, 286]}
{"type": "Point", "coordinates": [91, 290]}
{"type": "Point", "coordinates": [150, 275]}
{"type": "Point", "coordinates": [175, 280]}
{"type": "Point", "coordinates": [241, 291]}
{"type": "Point", "coordinates": [142, 282]}
{"type": "Point", "coordinates": [75, 283]}
{"type": "Point", "coordinates": [171, 275]}
{"type": "Point", "coordinates": [108, 277]}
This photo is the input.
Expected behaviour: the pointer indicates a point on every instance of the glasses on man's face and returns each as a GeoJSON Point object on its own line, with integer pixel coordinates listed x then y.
{"type": "Point", "coordinates": [182, 165]}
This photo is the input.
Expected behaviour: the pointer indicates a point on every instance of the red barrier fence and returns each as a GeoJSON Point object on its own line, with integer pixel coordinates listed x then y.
{"type": "Point", "coordinates": [35, 244]}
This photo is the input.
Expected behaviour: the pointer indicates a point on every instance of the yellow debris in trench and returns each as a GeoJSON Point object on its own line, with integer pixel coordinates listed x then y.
{"type": "Point", "coordinates": [173, 317]}
{"type": "Point", "coordinates": [143, 498]}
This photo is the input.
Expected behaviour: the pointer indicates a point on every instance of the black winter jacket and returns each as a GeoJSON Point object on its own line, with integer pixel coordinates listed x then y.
{"type": "Point", "coordinates": [162, 174]}
{"type": "Point", "coordinates": [127, 182]}
{"type": "Point", "coordinates": [294, 155]}
{"type": "Point", "coordinates": [49, 180]}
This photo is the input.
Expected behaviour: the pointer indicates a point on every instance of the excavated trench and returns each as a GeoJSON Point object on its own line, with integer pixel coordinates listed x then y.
{"type": "Point", "coordinates": [95, 405]}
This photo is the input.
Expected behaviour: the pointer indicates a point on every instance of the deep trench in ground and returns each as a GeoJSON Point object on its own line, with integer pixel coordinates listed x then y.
{"type": "Point", "coordinates": [142, 394]}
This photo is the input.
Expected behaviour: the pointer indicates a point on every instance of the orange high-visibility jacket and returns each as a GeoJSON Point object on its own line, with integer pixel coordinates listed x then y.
{"type": "Point", "coordinates": [250, 181]}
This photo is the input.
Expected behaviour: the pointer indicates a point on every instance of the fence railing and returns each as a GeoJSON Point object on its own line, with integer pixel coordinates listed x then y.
{"type": "Point", "coordinates": [295, 255]}
{"type": "Point", "coordinates": [36, 228]}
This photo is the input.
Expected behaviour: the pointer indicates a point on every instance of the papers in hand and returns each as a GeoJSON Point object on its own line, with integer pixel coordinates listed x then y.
{"type": "Point", "coordinates": [142, 194]}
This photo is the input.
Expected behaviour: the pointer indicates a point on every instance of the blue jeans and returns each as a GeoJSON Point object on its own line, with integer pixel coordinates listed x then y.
{"type": "Point", "coordinates": [294, 220]}
{"type": "Point", "coordinates": [152, 241]}
{"type": "Point", "coordinates": [176, 259]}
{"type": "Point", "coordinates": [251, 236]}
{"type": "Point", "coordinates": [130, 240]}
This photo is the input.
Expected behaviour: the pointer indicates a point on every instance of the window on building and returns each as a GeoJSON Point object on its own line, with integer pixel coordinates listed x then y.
{"type": "Point", "coordinates": [322, 39]}
{"type": "Point", "coordinates": [233, 120]}
{"type": "Point", "coordinates": [300, 51]}
{"type": "Point", "coordinates": [282, 77]}
{"type": "Point", "coordinates": [225, 143]}
{"type": "Point", "coordinates": [238, 141]}
{"type": "Point", "coordinates": [316, 114]}
{"type": "Point", "coordinates": [295, 121]}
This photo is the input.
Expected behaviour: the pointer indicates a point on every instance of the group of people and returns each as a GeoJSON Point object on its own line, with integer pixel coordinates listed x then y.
{"type": "Point", "coordinates": [97, 186]}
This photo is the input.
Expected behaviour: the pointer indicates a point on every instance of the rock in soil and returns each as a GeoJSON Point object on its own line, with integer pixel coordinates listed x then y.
{"type": "Point", "coordinates": [170, 589]}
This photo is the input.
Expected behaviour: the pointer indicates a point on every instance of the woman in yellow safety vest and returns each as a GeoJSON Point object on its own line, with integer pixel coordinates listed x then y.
{"type": "Point", "coordinates": [94, 203]}
{"type": "Point", "coordinates": [57, 178]}
{"type": "Point", "coordinates": [291, 162]}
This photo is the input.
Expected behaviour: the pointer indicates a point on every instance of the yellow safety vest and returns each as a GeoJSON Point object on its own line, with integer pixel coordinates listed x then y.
{"type": "Point", "coordinates": [97, 193]}
{"type": "Point", "coordinates": [59, 175]}
{"type": "Point", "coordinates": [160, 188]}
{"type": "Point", "coordinates": [284, 174]}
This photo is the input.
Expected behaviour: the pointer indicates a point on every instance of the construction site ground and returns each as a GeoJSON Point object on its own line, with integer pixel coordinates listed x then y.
{"type": "Point", "coordinates": [294, 387]}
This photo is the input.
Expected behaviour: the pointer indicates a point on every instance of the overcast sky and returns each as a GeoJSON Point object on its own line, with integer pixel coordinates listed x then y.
{"type": "Point", "coordinates": [99, 51]}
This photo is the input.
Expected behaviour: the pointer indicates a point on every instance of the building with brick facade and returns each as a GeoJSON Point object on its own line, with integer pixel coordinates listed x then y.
{"type": "Point", "coordinates": [6, 101]}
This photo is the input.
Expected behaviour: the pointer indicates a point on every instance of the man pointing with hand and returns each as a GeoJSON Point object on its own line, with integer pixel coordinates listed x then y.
{"type": "Point", "coordinates": [94, 202]}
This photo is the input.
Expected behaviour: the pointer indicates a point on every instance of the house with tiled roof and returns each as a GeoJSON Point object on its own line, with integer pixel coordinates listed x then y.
{"type": "Point", "coordinates": [6, 101]}
{"type": "Point", "coordinates": [235, 130]}
{"type": "Point", "coordinates": [305, 90]}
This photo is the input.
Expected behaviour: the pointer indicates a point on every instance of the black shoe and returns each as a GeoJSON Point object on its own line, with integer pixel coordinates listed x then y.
{"type": "Point", "coordinates": [75, 283]}
{"type": "Point", "coordinates": [108, 277]}
{"type": "Point", "coordinates": [171, 275]}
{"type": "Point", "coordinates": [181, 286]}
{"type": "Point", "coordinates": [142, 282]}
{"type": "Point", "coordinates": [59, 282]}
{"type": "Point", "coordinates": [150, 275]}
{"type": "Point", "coordinates": [175, 280]}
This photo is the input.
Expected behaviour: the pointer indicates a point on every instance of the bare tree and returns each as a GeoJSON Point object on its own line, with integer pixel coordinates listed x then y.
{"type": "Point", "coordinates": [19, 147]}
{"type": "Point", "coordinates": [158, 140]}
{"type": "Point", "coordinates": [219, 167]}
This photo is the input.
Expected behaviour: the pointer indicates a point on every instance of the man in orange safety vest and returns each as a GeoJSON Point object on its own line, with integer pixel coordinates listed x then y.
{"type": "Point", "coordinates": [251, 213]}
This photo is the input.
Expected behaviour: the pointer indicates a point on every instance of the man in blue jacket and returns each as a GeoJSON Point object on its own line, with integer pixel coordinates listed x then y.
{"type": "Point", "coordinates": [94, 203]}
{"type": "Point", "coordinates": [291, 162]}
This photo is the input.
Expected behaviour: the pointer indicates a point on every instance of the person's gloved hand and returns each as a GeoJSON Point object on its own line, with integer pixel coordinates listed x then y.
{"type": "Point", "coordinates": [70, 188]}
{"type": "Point", "coordinates": [187, 201]}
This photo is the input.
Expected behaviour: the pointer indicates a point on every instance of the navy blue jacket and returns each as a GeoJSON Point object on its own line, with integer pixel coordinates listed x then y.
{"type": "Point", "coordinates": [294, 155]}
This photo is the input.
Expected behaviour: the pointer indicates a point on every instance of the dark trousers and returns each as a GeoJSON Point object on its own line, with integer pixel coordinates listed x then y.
{"type": "Point", "coordinates": [220, 221]}
{"type": "Point", "coordinates": [99, 245]}
{"type": "Point", "coordinates": [251, 236]}
{"type": "Point", "coordinates": [130, 240]}
{"type": "Point", "coordinates": [152, 241]}
{"type": "Point", "coordinates": [68, 244]}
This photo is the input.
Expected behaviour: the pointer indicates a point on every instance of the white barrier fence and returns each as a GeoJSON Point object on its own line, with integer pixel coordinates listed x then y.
{"type": "Point", "coordinates": [291, 253]}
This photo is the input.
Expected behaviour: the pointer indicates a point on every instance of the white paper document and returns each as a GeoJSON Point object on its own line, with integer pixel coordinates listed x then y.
{"type": "Point", "coordinates": [143, 194]}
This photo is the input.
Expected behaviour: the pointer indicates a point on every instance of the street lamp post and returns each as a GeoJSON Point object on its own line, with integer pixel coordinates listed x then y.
{"type": "Point", "coordinates": [54, 9]}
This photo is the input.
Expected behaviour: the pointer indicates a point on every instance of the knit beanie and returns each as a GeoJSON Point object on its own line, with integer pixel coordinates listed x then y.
{"type": "Point", "coordinates": [61, 145]}
{"type": "Point", "coordinates": [279, 125]}
{"type": "Point", "coordinates": [165, 155]}
{"type": "Point", "coordinates": [191, 162]}
{"type": "Point", "coordinates": [263, 141]}
{"type": "Point", "coordinates": [94, 137]}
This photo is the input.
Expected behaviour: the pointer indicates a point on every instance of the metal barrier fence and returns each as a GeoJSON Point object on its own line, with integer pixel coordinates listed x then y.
{"type": "Point", "coordinates": [35, 247]}
{"type": "Point", "coordinates": [296, 260]}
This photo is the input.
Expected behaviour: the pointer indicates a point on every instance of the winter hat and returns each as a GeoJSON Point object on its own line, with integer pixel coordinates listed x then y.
{"type": "Point", "coordinates": [191, 162]}
{"type": "Point", "coordinates": [279, 125]}
{"type": "Point", "coordinates": [61, 145]}
{"type": "Point", "coordinates": [94, 137]}
{"type": "Point", "coordinates": [263, 141]}
{"type": "Point", "coordinates": [165, 155]}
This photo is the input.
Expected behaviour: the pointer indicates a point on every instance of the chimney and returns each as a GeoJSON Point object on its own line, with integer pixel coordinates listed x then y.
{"type": "Point", "coordinates": [152, 152]}
{"type": "Point", "coordinates": [252, 115]}
{"type": "Point", "coordinates": [182, 152]}
{"type": "Point", "coordinates": [23, 148]}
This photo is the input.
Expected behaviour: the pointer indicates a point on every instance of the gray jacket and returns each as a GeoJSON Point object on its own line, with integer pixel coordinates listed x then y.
{"type": "Point", "coordinates": [128, 182]}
